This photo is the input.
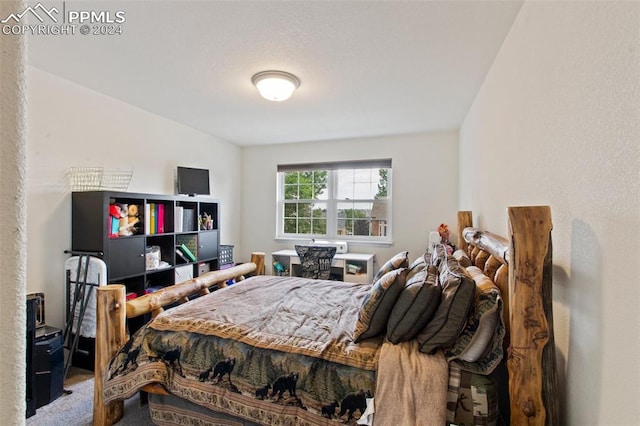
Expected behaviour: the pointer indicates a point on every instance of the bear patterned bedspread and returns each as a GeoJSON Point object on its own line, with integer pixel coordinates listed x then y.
{"type": "Point", "coordinates": [274, 350]}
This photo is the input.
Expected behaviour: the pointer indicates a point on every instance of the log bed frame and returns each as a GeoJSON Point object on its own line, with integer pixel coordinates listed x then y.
{"type": "Point", "coordinates": [519, 265]}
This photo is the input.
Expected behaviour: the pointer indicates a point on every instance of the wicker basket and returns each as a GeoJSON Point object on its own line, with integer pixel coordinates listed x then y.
{"type": "Point", "coordinates": [96, 178]}
{"type": "Point", "coordinates": [226, 255]}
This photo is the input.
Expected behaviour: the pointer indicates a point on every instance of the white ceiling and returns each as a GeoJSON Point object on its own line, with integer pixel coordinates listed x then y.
{"type": "Point", "coordinates": [367, 68]}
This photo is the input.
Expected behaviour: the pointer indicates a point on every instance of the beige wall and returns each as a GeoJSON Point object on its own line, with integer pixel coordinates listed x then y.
{"type": "Point", "coordinates": [70, 125]}
{"type": "Point", "coordinates": [557, 116]}
{"type": "Point", "coordinates": [425, 170]}
{"type": "Point", "coordinates": [557, 122]}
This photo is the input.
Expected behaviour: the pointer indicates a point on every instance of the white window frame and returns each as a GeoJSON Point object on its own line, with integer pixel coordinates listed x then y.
{"type": "Point", "coordinates": [332, 202]}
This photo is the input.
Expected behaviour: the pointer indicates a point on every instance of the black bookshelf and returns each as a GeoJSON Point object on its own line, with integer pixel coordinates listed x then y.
{"type": "Point", "coordinates": [162, 224]}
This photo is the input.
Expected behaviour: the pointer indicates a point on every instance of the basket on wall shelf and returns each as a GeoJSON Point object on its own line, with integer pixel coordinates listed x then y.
{"type": "Point", "coordinates": [96, 178]}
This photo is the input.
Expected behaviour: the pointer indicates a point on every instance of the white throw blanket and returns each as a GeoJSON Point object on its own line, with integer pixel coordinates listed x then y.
{"type": "Point", "coordinates": [411, 387]}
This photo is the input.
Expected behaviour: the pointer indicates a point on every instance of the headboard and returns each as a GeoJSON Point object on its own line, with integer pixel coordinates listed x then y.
{"type": "Point", "coordinates": [521, 267]}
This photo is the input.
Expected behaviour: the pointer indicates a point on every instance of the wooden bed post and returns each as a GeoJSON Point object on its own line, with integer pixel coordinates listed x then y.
{"type": "Point", "coordinates": [465, 219]}
{"type": "Point", "coordinates": [531, 360]}
{"type": "Point", "coordinates": [257, 257]}
{"type": "Point", "coordinates": [110, 337]}
{"type": "Point", "coordinates": [112, 311]}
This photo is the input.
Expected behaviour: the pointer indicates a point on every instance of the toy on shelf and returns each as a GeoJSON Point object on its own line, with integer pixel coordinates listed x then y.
{"type": "Point", "coordinates": [443, 231]}
{"type": "Point", "coordinates": [133, 218]}
{"type": "Point", "coordinates": [115, 214]}
{"type": "Point", "coordinates": [123, 219]}
{"type": "Point", "coordinates": [279, 269]}
{"type": "Point", "coordinates": [206, 222]}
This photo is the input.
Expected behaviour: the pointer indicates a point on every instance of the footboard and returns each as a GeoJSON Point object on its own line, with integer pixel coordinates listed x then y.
{"type": "Point", "coordinates": [113, 310]}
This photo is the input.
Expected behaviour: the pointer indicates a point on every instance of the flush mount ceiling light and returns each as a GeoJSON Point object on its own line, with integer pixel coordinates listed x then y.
{"type": "Point", "coordinates": [275, 85]}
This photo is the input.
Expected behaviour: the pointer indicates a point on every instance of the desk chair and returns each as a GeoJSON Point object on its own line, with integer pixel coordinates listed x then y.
{"type": "Point", "coordinates": [315, 261]}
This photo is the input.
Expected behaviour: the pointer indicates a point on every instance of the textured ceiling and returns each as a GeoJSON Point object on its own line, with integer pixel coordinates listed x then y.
{"type": "Point", "coordinates": [367, 68]}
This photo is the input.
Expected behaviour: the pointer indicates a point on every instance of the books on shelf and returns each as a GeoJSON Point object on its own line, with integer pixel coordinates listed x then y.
{"type": "Point", "coordinates": [160, 219]}
{"type": "Point", "coordinates": [154, 218]}
{"type": "Point", "coordinates": [182, 255]}
{"type": "Point", "coordinates": [147, 219]}
{"type": "Point", "coordinates": [187, 252]}
{"type": "Point", "coordinates": [178, 219]}
{"type": "Point", "coordinates": [188, 220]}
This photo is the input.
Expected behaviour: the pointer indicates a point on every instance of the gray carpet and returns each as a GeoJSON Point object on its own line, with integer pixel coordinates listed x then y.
{"type": "Point", "coordinates": [76, 408]}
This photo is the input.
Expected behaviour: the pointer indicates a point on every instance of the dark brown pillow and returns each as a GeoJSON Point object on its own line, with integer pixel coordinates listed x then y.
{"type": "Point", "coordinates": [479, 347]}
{"type": "Point", "coordinates": [418, 265]}
{"type": "Point", "coordinates": [415, 306]}
{"type": "Point", "coordinates": [378, 303]}
{"type": "Point", "coordinates": [400, 260]}
{"type": "Point", "coordinates": [458, 291]}
{"type": "Point", "coordinates": [438, 256]}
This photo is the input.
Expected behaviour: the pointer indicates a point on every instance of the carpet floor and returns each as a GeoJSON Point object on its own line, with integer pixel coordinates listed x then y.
{"type": "Point", "coordinates": [76, 408]}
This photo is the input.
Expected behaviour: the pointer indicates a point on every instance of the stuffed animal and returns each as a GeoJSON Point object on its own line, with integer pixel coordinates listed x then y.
{"type": "Point", "coordinates": [128, 220]}
{"type": "Point", "coordinates": [443, 230]}
{"type": "Point", "coordinates": [115, 214]}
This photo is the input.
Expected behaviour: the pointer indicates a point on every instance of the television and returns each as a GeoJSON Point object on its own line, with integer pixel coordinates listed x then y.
{"type": "Point", "coordinates": [192, 181]}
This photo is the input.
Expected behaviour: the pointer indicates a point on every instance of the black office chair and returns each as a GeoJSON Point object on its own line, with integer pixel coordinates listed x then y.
{"type": "Point", "coordinates": [315, 261]}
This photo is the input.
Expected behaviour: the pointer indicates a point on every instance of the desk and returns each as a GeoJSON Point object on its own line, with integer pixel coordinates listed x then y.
{"type": "Point", "coordinates": [343, 265]}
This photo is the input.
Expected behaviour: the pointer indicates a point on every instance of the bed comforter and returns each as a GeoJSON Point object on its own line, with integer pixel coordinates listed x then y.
{"type": "Point", "coordinates": [274, 350]}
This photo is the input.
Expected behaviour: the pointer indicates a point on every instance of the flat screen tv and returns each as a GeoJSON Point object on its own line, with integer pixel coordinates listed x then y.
{"type": "Point", "coordinates": [193, 181]}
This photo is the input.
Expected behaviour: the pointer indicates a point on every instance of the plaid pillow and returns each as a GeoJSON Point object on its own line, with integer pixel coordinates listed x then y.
{"type": "Point", "coordinates": [479, 347]}
{"type": "Point", "coordinates": [458, 291]}
{"type": "Point", "coordinates": [400, 260]}
{"type": "Point", "coordinates": [378, 303]}
{"type": "Point", "coordinates": [416, 305]}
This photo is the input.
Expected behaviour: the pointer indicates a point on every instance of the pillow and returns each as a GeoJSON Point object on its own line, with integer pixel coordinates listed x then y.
{"type": "Point", "coordinates": [478, 349]}
{"type": "Point", "coordinates": [400, 260]}
{"type": "Point", "coordinates": [315, 261]}
{"type": "Point", "coordinates": [439, 255]}
{"type": "Point", "coordinates": [462, 257]}
{"type": "Point", "coordinates": [418, 265]}
{"type": "Point", "coordinates": [415, 306]}
{"type": "Point", "coordinates": [458, 290]}
{"type": "Point", "coordinates": [377, 304]}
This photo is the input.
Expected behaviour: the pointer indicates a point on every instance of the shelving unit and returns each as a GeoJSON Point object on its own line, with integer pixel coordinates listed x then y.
{"type": "Point", "coordinates": [163, 222]}
{"type": "Point", "coordinates": [125, 255]}
{"type": "Point", "coordinates": [347, 267]}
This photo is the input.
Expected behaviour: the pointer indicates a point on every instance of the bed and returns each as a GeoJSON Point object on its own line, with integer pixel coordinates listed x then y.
{"type": "Point", "coordinates": [282, 350]}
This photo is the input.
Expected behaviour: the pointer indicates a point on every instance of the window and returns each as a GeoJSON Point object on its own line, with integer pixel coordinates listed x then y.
{"type": "Point", "coordinates": [348, 200]}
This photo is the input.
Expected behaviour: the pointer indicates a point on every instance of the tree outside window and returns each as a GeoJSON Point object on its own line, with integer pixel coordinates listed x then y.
{"type": "Point", "coordinates": [336, 202]}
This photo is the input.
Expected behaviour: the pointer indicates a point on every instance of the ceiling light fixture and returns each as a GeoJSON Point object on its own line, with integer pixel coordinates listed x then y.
{"type": "Point", "coordinates": [275, 85]}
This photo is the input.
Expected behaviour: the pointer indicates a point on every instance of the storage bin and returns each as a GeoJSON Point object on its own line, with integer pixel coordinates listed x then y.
{"type": "Point", "coordinates": [152, 257]}
{"type": "Point", "coordinates": [226, 255]}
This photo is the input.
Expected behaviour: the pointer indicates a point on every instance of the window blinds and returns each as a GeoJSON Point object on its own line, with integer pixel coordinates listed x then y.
{"type": "Point", "coordinates": [335, 165]}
